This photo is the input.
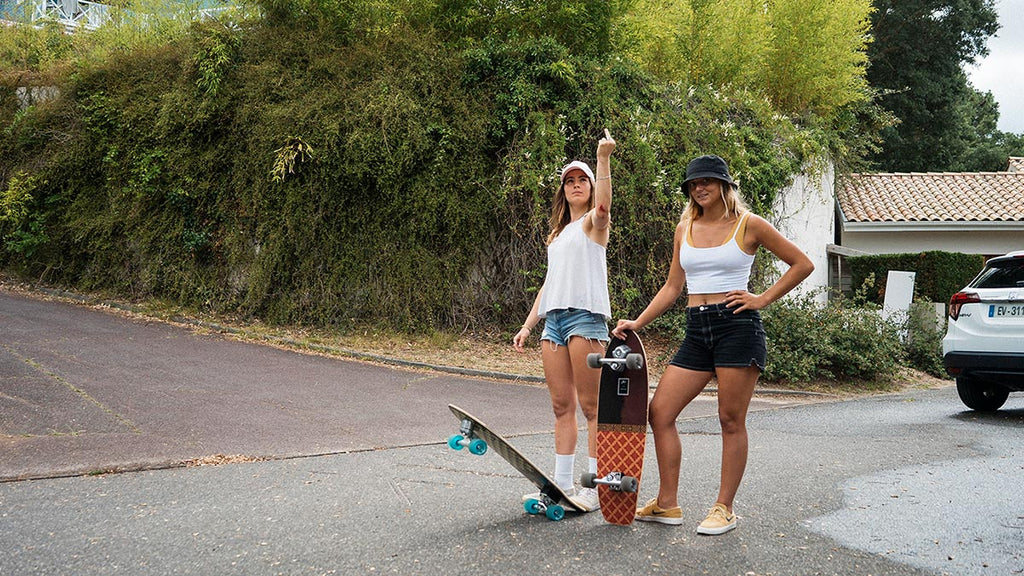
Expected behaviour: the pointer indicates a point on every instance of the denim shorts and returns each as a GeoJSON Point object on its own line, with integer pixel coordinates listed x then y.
{"type": "Point", "coordinates": [715, 337]}
{"type": "Point", "coordinates": [560, 325]}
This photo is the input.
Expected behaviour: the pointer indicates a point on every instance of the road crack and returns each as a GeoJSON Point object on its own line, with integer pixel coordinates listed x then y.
{"type": "Point", "coordinates": [81, 393]}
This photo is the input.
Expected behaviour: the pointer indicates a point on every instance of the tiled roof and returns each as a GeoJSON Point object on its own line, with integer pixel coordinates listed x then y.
{"type": "Point", "coordinates": [933, 197]}
{"type": "Point", "coordinates": [1016, 164]}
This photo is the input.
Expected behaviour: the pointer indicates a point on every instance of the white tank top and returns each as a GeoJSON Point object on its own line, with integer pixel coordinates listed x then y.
{"type": "Point", "coordinates": [719, 268]}
{"type": "Point", "coordinates": [577, 275]}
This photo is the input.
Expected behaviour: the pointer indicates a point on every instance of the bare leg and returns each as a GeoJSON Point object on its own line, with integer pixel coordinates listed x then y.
{"type": "Point", "coordinates": [677, 388]}
{"type": "Point", "coordinates": [735, 389]}
{"type": "Point", "coordinates": [558, 375]}
{"type": "Point", "coordinates": [587, 381]}
{"type": "Point", "coordinates": [572, 383]}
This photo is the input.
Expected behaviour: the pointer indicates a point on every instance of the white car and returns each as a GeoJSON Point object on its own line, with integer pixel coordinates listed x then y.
{"type": "Point", "coordinates": [984, 343]}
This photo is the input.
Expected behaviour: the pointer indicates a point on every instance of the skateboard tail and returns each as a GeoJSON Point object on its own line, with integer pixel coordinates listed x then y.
{"type": "Point", "coordinates": [624, 446]}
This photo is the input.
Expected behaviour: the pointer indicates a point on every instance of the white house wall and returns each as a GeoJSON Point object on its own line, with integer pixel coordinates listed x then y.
{"type": "Point", "coordinates": [903, 241]}
{"type": "Point", "coordinates": [805, 213]}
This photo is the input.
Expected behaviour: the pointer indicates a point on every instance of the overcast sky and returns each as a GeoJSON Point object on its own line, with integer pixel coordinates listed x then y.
{"type": "Point", "coordinates": [1002, 72]}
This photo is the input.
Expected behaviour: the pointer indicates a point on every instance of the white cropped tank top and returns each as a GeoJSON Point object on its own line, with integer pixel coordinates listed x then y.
{"type": "Point", "coordinates": [577, 275]}
{"type": "Point", "coordinates": [719, 268]}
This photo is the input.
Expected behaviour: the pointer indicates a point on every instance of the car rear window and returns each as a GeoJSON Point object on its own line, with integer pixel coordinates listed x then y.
{"type": "Point", "coordinates": [1005, 274]}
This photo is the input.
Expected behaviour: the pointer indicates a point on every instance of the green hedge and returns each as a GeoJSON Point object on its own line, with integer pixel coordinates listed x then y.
{"type": "Point", "coordinates": [297, 171]}
{"type": "Point", "coordinates": [938, 275]}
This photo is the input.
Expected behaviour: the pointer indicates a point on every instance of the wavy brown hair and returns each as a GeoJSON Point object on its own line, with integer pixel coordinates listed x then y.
{"type": "Point", "coordinates": [560, 213]}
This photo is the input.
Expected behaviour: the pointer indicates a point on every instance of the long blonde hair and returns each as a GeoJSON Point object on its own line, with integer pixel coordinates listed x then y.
{"type": "Point", "coordinates": [734, 204]}
{"type": "Point", "coordinates": [561, 216]}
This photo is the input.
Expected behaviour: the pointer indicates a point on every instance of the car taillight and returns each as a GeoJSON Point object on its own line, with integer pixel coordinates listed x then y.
{"type": "Point", "coordinates": [958, 300]}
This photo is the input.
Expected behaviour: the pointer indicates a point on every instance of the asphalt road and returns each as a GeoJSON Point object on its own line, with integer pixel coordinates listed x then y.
{"type": "Point", "coordinates": [347, 471]}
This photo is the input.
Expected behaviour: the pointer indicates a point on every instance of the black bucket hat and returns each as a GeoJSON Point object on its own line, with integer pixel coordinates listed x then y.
{"type": "Point", "coordinates": [709, 166]}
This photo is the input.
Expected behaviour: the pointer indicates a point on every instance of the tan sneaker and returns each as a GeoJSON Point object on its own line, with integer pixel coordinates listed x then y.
{"type": "Point", "coordinates": [651, 512]}
{"type": "Point", "coordinates": [719, 521]}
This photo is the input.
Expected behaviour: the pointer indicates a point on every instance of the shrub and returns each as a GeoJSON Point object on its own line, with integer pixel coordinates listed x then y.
{"type": "Point", "coordinates": [924, 340]}
{"type": "Point", "coordinates": [938, 275]}
{"type": "Point", "coordinates": [843, 340]}
{"type": "Point", "coordinates": [21, 228]}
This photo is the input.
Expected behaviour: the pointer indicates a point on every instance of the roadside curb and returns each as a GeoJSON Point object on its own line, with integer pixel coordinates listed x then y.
{"type": "Point", "coordinates": [332, 350]}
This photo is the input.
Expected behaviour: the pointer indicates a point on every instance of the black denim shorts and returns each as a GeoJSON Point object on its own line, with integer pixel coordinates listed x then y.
{"type": "Point", "coordinates": [717, 337]}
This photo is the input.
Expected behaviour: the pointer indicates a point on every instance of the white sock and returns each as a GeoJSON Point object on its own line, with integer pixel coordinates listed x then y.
{"type": "Point", "coordinates": [564, 464]}
{"type": "Point", "coordinates": [592, 465]}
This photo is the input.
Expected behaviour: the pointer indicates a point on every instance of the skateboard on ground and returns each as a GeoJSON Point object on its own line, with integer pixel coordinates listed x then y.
{"type": "Point", "coordinates": [621, 427]}
{"type": "Point", "coordinates": [477, 437]}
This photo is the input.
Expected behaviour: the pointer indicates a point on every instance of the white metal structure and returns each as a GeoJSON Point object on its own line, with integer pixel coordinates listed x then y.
{"type": "Point", "coordinates": [74, 14]}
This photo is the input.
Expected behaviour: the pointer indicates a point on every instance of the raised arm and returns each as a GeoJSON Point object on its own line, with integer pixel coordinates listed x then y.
{"type": "Point", "coordinates": [600, 218]}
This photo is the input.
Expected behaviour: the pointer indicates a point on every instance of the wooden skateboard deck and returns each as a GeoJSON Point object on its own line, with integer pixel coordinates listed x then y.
{"type": "Point", "coordinates": [621, 427]}
{"type": "Point", "coordinates": [476, 436]}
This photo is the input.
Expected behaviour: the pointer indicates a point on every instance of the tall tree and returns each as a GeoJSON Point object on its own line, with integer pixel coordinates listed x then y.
{"type": "Point", "coordinates": [983, 146]}
{"type": "Point", "coordinates": [916, 60]}
{"type": "Point", "coordinates": [806, 56]}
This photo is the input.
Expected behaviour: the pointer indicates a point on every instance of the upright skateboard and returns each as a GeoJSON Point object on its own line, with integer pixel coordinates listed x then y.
{"type": "Point", "coordinates": [476, 436]}
{"type": "Point", "coordinates": [621, 427]}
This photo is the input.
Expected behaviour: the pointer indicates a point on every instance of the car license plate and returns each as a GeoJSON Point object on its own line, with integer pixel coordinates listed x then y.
{"type": "Point", "coordinates": [1004, 310]}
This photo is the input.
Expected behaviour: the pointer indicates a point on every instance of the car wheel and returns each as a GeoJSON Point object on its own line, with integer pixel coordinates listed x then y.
{"type": "Point", "coordinates": [979, 395]}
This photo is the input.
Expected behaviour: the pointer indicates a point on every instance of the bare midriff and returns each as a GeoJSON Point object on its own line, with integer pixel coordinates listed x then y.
{"type": "Point", "coordinates": [704, 299]}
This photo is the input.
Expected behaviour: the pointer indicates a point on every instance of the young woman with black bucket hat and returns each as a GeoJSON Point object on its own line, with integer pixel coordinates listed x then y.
{"type": "Point", "coordinates": [713, 252]}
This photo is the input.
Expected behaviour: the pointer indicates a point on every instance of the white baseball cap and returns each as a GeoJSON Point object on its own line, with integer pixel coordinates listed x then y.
{"type": "Point", "coordinates": [577, 165]}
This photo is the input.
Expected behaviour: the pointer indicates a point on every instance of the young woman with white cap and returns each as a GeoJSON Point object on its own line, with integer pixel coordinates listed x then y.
{"type": "Point", "coordinates": [712, 255]}
{"type": "Point", "coordinates": [575, 307]}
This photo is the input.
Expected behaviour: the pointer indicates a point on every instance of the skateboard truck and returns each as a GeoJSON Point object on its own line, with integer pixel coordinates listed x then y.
{"type": "Point", "coordinates": [546, 505]}
{"type": "Point", "coordinates": [621, 359]}
{"type": "Point", "coordinates": [615, 480]}
{"type": "Point", "coordinates": [465, 439]}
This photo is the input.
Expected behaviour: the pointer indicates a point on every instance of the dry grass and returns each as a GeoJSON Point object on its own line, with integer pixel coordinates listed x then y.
{"type": "Point", "coordinates": [488, 352]}
{"type": "Point", "coordinates": [220, 459]}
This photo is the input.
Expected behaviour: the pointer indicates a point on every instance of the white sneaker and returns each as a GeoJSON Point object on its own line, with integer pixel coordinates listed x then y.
{"type": "Point", "coordinates": [570, 492]}
{"type": "Point", "coordinates": [531, 496]}
{"type": "Point", "coordinates": [587, 499]}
